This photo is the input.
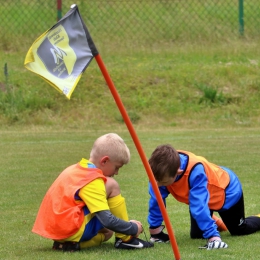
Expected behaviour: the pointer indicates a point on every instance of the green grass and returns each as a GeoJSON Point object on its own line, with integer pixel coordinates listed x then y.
{"type": "Point", "coordinates": [32, 157]}
{"type": "Point", "coordinates": [163, 84]}
{"type": "Point", "coordinates": [193, 75]}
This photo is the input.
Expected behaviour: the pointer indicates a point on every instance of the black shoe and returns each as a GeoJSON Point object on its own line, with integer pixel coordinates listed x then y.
{"type": "Point", "coordinates": [66, 246]}
{"type": "Point", "coordinates": [57, 245]}
{"type": "Point", "coordinates": [133, 243]}
{"type": "Point", "coordinates": [160, 237]}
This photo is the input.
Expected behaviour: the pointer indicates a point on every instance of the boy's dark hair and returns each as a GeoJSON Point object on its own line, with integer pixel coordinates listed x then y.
{"type": "Point", "coordinates": [164, 161]}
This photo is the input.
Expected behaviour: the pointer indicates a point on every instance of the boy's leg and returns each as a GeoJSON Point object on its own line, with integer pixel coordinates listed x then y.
{"type": "Point", "coordinates": [94, 241]}
{"type": "Point", "coordinates": [116, 204]}
{"type": "Point", "coordinates": [117, 207]}
{"type": "Point", "coordinates": [235, 221]}
{"type": "Point", "coordinates": [94, 233]}
{"type": "Point", "coordinates": [195, 231]}
{"type": "Point", "coordinates": [73, 246]}
{"type": "Point", "coordinates": [91, 233]}
{"type": "Point", "coordinates": [102, 236]}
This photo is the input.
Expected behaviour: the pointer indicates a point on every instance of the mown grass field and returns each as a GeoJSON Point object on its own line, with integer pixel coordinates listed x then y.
{"type": "Point", "coordinates": [30, 160]}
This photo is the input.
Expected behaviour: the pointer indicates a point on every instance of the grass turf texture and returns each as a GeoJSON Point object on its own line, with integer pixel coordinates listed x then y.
{"type": "Point", "coordinates": [193, 75]}
{"type": "Point", "coordinates": [31, 158]}
{"type": "Point", "coordinates": [169, 84]}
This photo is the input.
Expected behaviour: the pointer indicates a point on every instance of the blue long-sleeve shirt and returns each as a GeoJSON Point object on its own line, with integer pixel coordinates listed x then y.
{"type": "Point", "coordinates": [198, 198]}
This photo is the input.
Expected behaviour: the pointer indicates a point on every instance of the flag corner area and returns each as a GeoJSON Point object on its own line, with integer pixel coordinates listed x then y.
{"type": "Point", "coordinates": [62, 53]}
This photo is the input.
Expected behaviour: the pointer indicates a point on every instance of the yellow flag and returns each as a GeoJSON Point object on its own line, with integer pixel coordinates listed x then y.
{"type": "Point", "coordinates": [62, 53]}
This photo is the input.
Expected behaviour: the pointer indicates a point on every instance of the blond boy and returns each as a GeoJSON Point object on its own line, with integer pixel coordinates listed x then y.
{"type": "Point", "coordinates": [84, 206]}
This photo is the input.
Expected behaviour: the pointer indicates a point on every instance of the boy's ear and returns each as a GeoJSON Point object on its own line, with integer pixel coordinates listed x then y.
{"type": "Point", "coordinates": [104, 160]}
{"type": "Point", "coordinates": [179, 171]}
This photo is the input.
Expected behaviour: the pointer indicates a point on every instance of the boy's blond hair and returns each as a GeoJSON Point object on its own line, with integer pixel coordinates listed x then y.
{"type": "Point", "coordinates": [111, 145]}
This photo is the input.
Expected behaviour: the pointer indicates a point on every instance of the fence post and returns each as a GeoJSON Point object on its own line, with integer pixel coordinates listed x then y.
{"type": "Point", "coordinates": [241, 16]}
{"type": "Point", "coordinates": [59, 6]}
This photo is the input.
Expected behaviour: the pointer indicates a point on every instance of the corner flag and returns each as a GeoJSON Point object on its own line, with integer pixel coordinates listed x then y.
{"type": "Point", "coordinates": [60, 56]}
{"type": "Point", "coordinates": [62, 53]}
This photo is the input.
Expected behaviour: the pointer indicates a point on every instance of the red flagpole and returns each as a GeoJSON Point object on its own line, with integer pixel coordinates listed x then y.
{"type": "Point", "coordinates": [59, 9]}
{"type": "Point", "coordinates": [141, 153]}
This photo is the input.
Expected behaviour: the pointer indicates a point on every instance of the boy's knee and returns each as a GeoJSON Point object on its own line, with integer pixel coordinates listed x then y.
{"type": "Point", "coordinates": [238, 231]}
{"type": "Point", "coordinates": [112, 187]}
{"type": "Point", "coordinates": [108, 235]}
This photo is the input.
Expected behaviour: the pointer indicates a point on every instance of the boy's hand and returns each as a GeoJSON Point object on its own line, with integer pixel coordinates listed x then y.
{"type": "Point", "coordinates": [214, 243]}
{"type": "Point", "coordinates": [139, 225]}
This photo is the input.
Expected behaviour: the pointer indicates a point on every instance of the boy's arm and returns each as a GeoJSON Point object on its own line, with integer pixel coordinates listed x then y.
{"type": "Point", "coordinates": [94, 197]}
{"type": "Point", "coordinates": [198, 202]}
{"type": "Point", "coordinates": [109, 221]}
{"type": "Point", "coordinates": [155, 218]}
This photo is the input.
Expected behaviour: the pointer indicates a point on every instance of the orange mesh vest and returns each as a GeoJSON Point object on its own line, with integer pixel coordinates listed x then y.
{"type": "Point", "coordinates": [60, 216]}
{"type": "Point", "coordinates": [218, 180]}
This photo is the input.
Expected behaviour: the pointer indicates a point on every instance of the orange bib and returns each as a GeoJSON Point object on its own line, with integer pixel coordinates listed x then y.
{"type": "Point", "coordinates": [218, 180]}
{"type": "Point", "coordinates": [60, 215]}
